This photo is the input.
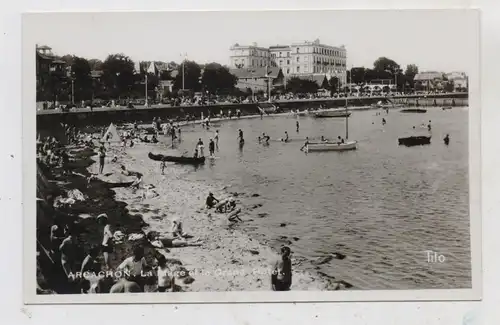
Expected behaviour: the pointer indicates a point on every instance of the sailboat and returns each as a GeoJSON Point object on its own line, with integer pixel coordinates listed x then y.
{"type": "Point", "coordinates": [335, 146]}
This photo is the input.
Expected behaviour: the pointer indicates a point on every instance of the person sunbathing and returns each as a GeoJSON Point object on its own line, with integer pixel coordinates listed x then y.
{"type": "Point", "coordinates": [211, 200]}
{"type": "Point", "coordinates": [171, 241]}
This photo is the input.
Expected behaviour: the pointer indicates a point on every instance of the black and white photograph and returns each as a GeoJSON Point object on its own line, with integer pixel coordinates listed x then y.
{"type": "Point", "coordinates": [196, 156]}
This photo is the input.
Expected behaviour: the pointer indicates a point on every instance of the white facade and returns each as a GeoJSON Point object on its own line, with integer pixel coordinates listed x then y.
{"type": "Point", "coordinates": [303, 58]}
{"type": "Point", "coordinates": [317, 58]}
{"type": "Point", "coordinates": [249, 56]}
{"type": "Point", "coordinates": [281, 56]}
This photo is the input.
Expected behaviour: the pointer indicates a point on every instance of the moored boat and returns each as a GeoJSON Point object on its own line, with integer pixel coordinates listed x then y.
{"type": "Point", "coordinates": [413, 110]}
{"type": "Point", "coordinates": [331, 146]}
{"type": "Point", "coordinates": [333, 113]}
{"type": "Point", "coordinates": [414, 141]}
{"type": "Point", "coordinates": [177, 159]}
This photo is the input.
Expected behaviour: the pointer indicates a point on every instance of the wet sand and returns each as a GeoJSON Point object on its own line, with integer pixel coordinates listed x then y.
{"type": "Point", "coordinates": [228, 260]}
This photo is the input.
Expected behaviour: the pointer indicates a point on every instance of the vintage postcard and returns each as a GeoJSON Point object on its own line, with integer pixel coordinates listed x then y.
{"type": "Point", "coordinates": [251, 156]}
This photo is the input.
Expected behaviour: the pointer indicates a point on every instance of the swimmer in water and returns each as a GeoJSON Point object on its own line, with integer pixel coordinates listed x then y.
{"type": "Point", "coordinates": [286, 137]}
{"type": "Point", "coordinates": [306, 143]}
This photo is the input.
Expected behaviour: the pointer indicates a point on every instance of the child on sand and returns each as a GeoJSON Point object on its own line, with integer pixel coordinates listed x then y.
{"type": "Point", "coordinates": [163, 164]}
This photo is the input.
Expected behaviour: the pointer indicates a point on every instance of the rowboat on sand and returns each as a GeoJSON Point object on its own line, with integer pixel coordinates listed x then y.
{"type": "Point", "coordinates": [177, 159]}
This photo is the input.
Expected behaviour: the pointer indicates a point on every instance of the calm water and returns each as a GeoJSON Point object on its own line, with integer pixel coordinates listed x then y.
{"type": "Point", "coordinates": [382, 205]}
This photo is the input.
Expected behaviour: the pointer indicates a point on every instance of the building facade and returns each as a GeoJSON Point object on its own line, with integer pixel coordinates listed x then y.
{"type": "Point", "coordinates": [281, 57]}
{"type": "Point", "coordinates": [257, 79]}
{"type": "Point", "coordinates": [303, 58]}
{"type": "Point", "coordinates": [249, 56]}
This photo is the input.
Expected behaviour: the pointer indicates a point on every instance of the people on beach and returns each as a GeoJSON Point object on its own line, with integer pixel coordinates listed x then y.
{"type": "Point", "coordinates": [241, 140]}
{"type": "Point", "coordinates": [90, 262]}
{"type": "Point", "coordinates": [107, 238]}
{"type": "Point", "coordinates": [170, 241]}
{"type": "Point", "coordinates": [58, 233]}
{"type": "Point", "coordinates": [281, 277]}
{"type": "Point", "coordinates": [323, 139]}
{"type": "Point", "coordinates": [265, 138]}
{"type": "Point", "coordinates": [211, 200]}
{"type": "Point", "coordinates": [165, 281]}
{"type": "Point", "coordinates": [447, 139]}
{"type": "Point", "coordinates": [211, 147]}
{"type": "Point", "coordinates": [306, 143]}
{"type": "Point", "coordinates": [429, 126]}
{"type": "Point", "coordinates": [238, 113]}
{"type": "Point", "coordinates": [163, 165]}
{"type": "Point", "coordinates": [195, 154]}
{"type": "Point", "coordinates": [68, 250]}
{"type": "Point", "coordinates": [200, 147]}
{"type": "Point", "coordinates": [286, 137]}
{"type": "Point", "coordinates": [297, 125]}
{"type": "Point", "coordinates": [383, 121]}
{"type": "Point", "coordinates": [217, 139]}
{"type": "Point", "coordinates": [102, 158]}
{"type": "Point", "coordinates": [135, 267]}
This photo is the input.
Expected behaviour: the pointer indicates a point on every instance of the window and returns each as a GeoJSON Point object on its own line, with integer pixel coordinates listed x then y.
{"type": "Point", "coordinates": [298, 69]}
{"type": "Point", "coordinates": [297, 50]}
{"type": "Point", "coordinates": [280, 54]}
{"type": "Point", "coordinates": [288, 62]}
{"type": "Point", "coordinates": [288, 54]}
{"type": "Point", "coordinates": [288, 71]}
{"type": "Point", "coordinates": [298, 58]}
{"type": "Point", "coordinates": [281, 63]}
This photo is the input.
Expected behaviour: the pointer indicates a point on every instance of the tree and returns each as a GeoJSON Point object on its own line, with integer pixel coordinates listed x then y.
{"type": "Point", "coordinates": [449, 86]}
{"type": "Point", "coordinates": [334, 84]}
{"type": "Point", "coordinates": [192, 74]}
{"type": "Point", "coordinates": [297, 85]}
{"type": "Point", "coordinates": [118, 75]}
{"type": "Point", "coordinates": [80, 72]}
{"type": "Point", "coordinates": [357, 75]}
{"type": "Point", "coordinates": [410, 73]}
{"type": "Point", "coordinates": [95, 64]}
{"type": "Point", "coordinates": [217, 77]}
{"type": "Point", "coordinates": [385, 64]}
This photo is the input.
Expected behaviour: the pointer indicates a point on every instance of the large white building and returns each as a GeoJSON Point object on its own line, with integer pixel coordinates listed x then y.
{"type": "Point", "coordinates": [297, 59]}
{"type": "Point", "coordinates": [249, 56]}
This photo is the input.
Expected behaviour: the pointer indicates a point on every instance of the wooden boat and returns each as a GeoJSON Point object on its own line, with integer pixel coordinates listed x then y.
{"type": "Point", "coordinates": [413, 110]}
{"type": "Point", "coordinates": [333, 113]}
{"type": "Point", "coordinates": [335, 146]}
{"type": "Point", "coordinates": [414, 141]}
{"type": "Point", "coordinates": [177, 159]}
{"type": "Point", "coordinates": [331, 146]}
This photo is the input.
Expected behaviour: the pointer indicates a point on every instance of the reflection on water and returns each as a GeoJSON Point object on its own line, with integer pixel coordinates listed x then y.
{"type": "Point", "coordinates": [382, 205]}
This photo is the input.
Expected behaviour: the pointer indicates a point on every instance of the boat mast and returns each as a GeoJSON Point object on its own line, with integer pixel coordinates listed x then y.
{"type": "Point", "coordinates": [346, 111]}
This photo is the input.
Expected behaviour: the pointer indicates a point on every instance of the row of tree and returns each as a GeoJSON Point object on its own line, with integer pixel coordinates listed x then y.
{"type": "Point", "coordinates": [118, 78]}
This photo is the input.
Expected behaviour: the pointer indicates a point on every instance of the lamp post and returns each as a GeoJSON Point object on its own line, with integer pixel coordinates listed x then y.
{"type": "Point", "coordinates": [184, 56]}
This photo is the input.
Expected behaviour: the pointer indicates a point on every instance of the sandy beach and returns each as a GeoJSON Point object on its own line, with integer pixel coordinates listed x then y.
{"type": "Point", "coordinates": [228, 260]}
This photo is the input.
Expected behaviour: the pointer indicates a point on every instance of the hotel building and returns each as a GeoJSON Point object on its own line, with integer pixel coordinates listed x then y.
{"type": "Point", "coordinates": [297, 59]}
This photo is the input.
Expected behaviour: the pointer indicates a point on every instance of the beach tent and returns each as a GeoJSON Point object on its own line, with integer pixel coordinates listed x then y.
{"type": "Point", "coordinates": [111, 134]}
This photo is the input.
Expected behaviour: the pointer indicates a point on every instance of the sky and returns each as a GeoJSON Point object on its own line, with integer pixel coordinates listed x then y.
{"type": "Point", "coordinates": [434, 40]}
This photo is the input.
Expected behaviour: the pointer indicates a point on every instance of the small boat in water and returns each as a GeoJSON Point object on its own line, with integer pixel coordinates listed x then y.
{"type": "Point", "coordinates": [177, 159]}
{"type": "Point", "coordinates": [333, 113]}
{"type": "Point", "coordinates": [331, 146]}
{"type": "Point", "coordinates": [413, 110]}
{"type": "Point", "coordinates": [414, 141]}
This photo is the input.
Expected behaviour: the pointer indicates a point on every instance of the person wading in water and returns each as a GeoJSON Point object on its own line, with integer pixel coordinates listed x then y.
{"type": "Point", "coordinates": [211, 147]}
{"type": "Point", "coordinates": [102, 157]}
{"type": "Point", "coordinates": [281, 277]}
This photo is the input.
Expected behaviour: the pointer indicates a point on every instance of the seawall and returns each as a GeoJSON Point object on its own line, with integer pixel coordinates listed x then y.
{"type": "Point", "coordinates": [84, 117]}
